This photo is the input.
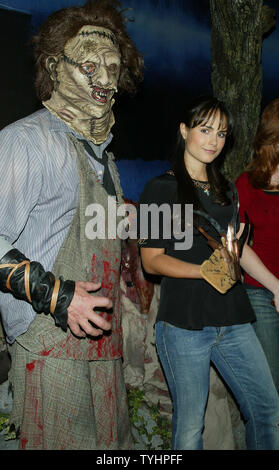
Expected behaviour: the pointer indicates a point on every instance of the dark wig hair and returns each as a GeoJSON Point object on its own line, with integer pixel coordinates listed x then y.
{"type": "Point", "coordinates": [266, 148]}
{"type": "Point", "coordinates": [64, 24]}
{"type": "Point", "coordinates": [201, 110]}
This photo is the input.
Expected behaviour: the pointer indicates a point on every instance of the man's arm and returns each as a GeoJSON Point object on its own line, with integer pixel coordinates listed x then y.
{"type": "Point", "coordinates": [5, 246]}
{"type": "Point", "coordinates": [72, 304]}
{"type": "Point", "coordinates": [69, 302]}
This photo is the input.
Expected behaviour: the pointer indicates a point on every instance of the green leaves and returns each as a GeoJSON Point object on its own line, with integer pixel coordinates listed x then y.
{"type": "Point", "coordinates": [9, 429]}
{"type": "Point", "coordinates": [148, 421]}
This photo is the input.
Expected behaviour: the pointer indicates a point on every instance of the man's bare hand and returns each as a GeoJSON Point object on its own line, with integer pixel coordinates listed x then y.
{"type": "Point", "coordinates": [81, 311]}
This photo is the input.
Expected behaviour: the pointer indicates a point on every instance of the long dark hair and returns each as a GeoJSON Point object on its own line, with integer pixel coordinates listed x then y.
{"type": "Point", "coordinates": [201, 110]}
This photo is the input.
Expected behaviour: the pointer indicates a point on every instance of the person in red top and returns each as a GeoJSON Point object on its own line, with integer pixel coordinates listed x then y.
{"type": "Point", "coordinates": [258, 190]}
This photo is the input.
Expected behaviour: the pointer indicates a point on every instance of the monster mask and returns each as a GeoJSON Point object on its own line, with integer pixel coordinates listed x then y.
{"type": "Point", "coordinates": [85, 79]}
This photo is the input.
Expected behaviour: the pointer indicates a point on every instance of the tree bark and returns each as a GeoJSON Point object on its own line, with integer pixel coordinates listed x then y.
{"type": "Point", "coordinates": [236, 50]}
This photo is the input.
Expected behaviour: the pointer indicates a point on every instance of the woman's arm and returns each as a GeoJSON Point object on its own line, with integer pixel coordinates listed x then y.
{"type": "Point", "coordinates": [155, 261]}
{"type": "Point", "coordinates": [253, 265]}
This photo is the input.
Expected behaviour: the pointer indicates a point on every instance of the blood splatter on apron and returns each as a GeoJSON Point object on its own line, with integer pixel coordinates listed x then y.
{"type": "Point", "coordinates": [69, 393]}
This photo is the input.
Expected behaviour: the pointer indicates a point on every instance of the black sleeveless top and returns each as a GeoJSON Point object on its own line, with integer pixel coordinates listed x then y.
{"type": "Point", "coordinates": [193, 303]}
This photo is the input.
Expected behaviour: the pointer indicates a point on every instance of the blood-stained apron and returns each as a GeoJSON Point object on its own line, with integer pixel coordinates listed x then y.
{"type": "Point", "coordinates": [69, 393]}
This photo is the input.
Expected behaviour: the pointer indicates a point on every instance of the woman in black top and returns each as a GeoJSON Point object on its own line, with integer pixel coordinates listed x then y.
{"type": "Point", "coordinates": [196, 323]}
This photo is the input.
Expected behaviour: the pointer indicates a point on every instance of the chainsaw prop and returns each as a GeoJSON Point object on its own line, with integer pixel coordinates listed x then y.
{"type": "Point", "coordinates": [133, 275]}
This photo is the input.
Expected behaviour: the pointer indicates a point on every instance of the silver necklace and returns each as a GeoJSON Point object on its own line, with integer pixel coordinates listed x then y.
{"type": "Point", "coordinates": [204, 185]}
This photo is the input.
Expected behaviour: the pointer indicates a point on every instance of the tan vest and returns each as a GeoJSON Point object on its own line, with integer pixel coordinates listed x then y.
{"type": "Point", "coordinates": [82, 259]}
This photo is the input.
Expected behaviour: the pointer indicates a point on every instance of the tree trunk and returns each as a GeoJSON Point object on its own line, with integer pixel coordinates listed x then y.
{"type": "Point", "coordinates": [236, 49]}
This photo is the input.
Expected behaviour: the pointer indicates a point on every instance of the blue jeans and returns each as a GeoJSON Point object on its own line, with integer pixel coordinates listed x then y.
{"type": "Point", "coordinates": [237, 354]}
{"type": "Point", "coordinates": [267, 328]}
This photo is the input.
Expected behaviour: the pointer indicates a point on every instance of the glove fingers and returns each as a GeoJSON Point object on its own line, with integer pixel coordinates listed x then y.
{"type": "Point", "coordinates": [215, 271]}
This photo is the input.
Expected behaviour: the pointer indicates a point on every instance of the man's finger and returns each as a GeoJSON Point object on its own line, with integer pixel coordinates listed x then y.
{"type": "Point", "coordinates": [98, 321]}
{"type": "Point", "coordinates": [89, 286]}
{"type": "Point", "coordinates": [76, 330]}
{"type": "Point", "coordinates": [91, 330]}
{"type": "Point", "coordinates": [98, 301]}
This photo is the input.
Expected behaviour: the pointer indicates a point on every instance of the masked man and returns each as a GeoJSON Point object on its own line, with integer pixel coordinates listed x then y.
{"type": "Point", "coordinates": [66, 370]}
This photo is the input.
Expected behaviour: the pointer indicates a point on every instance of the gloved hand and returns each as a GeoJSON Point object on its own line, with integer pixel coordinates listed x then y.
{"type": "Point", "coordinates": [216, 272]}
{"type": "Point", "coordinates": [29, 281]}
{"type": "Point", "coordinates": [222, 269]}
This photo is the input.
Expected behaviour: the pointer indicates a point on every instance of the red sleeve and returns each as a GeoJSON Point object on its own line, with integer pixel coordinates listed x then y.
{"type": "Point", "coordinates": [244, 190]}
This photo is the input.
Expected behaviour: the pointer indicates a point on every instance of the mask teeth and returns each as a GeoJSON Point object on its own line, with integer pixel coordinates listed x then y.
{"type": "Point", "coordinates": [100, 94]}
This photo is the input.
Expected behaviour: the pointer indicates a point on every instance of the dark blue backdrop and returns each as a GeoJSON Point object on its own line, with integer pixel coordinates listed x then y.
{"type": "Point", "coordinates": [174, 37]}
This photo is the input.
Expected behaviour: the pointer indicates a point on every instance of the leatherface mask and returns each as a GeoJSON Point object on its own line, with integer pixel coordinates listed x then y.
{"type": "Point", "coordinates": [85, 79]}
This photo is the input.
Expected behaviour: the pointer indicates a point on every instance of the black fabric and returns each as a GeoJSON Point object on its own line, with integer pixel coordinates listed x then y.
{"type": "Point", "coordinates": [107, 178]}
{"type": "Point", "coordinates": [193, 303]}
{"type": "Point", "coordinates": [41, 284]}
{"type": "Point", "coordinates": [5, 365]}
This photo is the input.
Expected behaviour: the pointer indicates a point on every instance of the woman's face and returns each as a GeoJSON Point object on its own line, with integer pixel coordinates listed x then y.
{"type": "Point", "coordinates": [204, 142]}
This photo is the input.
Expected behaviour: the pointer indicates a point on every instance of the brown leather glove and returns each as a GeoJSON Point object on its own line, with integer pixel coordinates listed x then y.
{"type": "Point", "coordinates": [216, 272]}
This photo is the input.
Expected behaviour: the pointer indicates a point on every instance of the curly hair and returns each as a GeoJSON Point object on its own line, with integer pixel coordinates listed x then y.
{"type": "Point", "coordinates": [266, 148]}
{"type": "Point", "coordinates": [64, 24]}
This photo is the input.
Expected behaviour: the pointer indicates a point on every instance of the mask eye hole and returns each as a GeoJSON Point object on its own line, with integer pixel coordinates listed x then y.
{"type": "Point", "coordinates": [113, 68]}
{"type": "Point", "coordinates": [88, 68]}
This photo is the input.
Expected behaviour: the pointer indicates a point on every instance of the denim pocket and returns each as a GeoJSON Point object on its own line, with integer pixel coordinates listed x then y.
{"type": "Point", "coordinates": [252, 292]}
{"type": "Point", "coordinates": [259, 292]}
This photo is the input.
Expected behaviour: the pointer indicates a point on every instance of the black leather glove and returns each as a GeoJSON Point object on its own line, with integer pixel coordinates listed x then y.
{"type": "Point", "coordinates": [27, 280]}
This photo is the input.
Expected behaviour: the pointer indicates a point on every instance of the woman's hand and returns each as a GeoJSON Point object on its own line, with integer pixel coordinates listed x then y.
{"type": "Point", "coordinates": [275, 301]}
